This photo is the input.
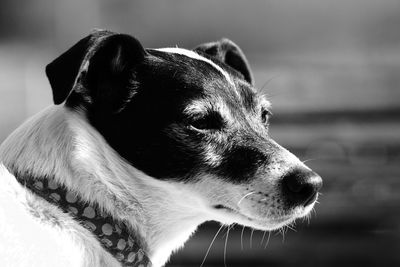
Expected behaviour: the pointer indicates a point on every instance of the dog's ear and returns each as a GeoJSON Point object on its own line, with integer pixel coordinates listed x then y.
{"type": "Point", "coordinates": [99, 68]}
{"type": "Point", "coordinates": [228, 52]}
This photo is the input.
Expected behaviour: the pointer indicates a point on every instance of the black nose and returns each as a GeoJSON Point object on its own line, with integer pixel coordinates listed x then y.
{"type": "Point", "coordinates": [300, 187]}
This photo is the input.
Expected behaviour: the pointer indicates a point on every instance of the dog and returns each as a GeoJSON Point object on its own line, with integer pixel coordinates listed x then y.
{"type": "Point", "coordinates": [141, 147]}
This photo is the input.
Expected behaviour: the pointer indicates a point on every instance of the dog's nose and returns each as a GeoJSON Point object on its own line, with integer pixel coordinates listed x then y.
{"type": "Point", "coordinates": [300, 187]}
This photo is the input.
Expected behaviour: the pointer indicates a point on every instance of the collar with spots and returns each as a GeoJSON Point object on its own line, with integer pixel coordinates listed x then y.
{"type": "Point", "coordinates": [113, 235]}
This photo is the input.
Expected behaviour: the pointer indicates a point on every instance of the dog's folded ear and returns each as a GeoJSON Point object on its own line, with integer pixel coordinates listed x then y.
{"type": "Point", "coordinates": [98, 69]}
{"type": "Point", "coordinates": [228, 52]}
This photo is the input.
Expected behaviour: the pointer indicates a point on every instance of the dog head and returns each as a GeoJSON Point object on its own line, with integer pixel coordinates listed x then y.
{"type": "Point", "coordinates": [190, 118]}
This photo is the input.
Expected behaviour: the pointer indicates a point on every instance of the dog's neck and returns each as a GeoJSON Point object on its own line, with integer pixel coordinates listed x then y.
{"type": "Point", "coordinates": [115, 236]}
{"type": "Point", "coordinates": [60, 143]}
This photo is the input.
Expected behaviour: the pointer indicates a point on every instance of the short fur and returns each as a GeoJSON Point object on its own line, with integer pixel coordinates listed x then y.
{"type": "Point", "coordinates": [164, 139]}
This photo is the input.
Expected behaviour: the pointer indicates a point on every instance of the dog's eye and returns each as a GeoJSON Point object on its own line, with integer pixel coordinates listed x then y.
{"type": "Point", "coordinates": [265, 114]}
{"type": "Point", "coordinates": [212, 121]}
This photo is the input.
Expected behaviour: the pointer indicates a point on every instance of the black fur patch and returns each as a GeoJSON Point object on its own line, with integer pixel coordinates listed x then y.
{"type": "Point", "coordinates": [152, 132]}
{"type": "Point", "coordinates": [241, 163]}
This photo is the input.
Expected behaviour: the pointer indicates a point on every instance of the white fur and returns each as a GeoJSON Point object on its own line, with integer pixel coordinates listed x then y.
{"type": "Point", "coordinates": [60, 143]}
{"type": "Point", "coordinates": [31, 241]}
{"type": "Point", "coordinates": [194, 55]}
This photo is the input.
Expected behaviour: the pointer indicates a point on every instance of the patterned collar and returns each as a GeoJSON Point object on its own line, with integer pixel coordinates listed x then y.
{"type": "Point", "coordinates": [113, 235]}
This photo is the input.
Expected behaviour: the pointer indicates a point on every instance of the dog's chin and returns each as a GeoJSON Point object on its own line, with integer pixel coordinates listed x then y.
{"type": "Point", "coordinates": [229, 215]}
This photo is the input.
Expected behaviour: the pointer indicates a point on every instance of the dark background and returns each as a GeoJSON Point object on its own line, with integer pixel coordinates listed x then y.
{"type": "Point", "coordinates": [331, 70]}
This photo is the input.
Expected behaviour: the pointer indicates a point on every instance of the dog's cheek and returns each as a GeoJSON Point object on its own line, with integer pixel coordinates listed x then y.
{"type": "Point", "coordinates": [182, 152]}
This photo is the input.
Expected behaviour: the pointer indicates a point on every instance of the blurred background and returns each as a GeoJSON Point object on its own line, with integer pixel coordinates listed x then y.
{"type": "Point", "coordinates": [331, 70]}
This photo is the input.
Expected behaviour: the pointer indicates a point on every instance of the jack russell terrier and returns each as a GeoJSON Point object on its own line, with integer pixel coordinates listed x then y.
{"type": "Point", "coordinates": [141, 147]}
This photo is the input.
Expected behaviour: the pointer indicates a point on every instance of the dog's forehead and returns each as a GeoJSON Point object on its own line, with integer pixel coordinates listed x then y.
{"type": "Point", "coordinates": [196, 57]}
{"type": "Point", "coordinates": [202, 78]}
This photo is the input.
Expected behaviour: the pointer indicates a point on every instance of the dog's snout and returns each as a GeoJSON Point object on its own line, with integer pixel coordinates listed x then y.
{"type": "Point", "coordinates": [300, 187]}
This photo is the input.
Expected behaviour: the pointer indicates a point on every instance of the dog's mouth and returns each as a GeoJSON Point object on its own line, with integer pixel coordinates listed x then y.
{"type": "Point", "coordinates": [311, 200]}
{"type": "Point", "coordinates": [267, 223]}
{"type": "Point", "coordinates": [230, 211]}
{"type": "Point", "coordinates": [223, 207]}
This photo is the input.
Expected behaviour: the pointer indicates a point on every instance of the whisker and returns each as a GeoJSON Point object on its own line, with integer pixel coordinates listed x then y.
{"type": "Point", "coordinates": [314, 212]}
{"type": "Point", "coordinates": [226, 242]}
{"type": "Point", "coordinates": [241, 238]}
{"type": "Point", "coordinates": [230, 227]}
{"type": "Point", "coordinates": [251, 238]}
{"type": "Point", "coordinates": [209, 247]}
{"type": "Point", "coordinates": [248, 194]}
{"type": "Point", "coordinates": [266, 244]}
{"type": "Point", "coordinates": [307, 160]}
{"type": "Point", "coordinates": [282, 231]}
{"type": "Point", "coordinates": [262, 239]}
{"type": "Point", "coordinates": [291, 227]}
{"type": "Point", "coordinates": [268, 81]}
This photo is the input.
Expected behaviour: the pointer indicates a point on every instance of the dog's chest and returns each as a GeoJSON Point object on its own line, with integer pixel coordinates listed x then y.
{"type": "Point", "coordinates": [26, 241]}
